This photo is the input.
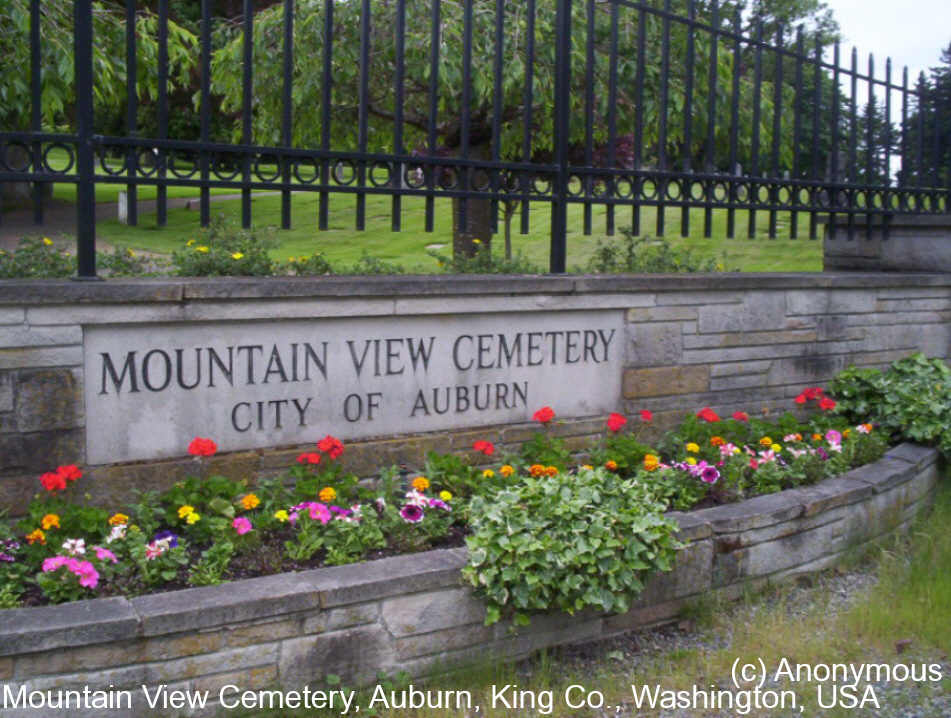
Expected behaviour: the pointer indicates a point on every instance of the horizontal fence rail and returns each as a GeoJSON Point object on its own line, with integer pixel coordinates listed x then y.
{"type": "Point", "coordinates": [668, 105]}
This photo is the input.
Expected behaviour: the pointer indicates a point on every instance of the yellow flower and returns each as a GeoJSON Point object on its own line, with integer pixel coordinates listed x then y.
{"type": "Point", "coordinates": [327, 494]}
{"type": "Point", "coordinates": [118, 519]}
{"type": "Point", "coordinates": [691, 460]}
{"type": "Point", "coordinates": [183, 511]}
{"type": "Point", "coordinates": [477, 241]}
{"type": "Point", "coordinates": [189, 243]}
{"type": "Point", "coordinates": [610, 465]}
{"type": "Point", "coordinates": [765, 441]}
{"type": "Point", "coordinates": [281, 515]}
{"type": "Point", "coordinates": [237, 255]}
{"type": "Point", "coordinates": [203, 249]}
{"type": "Point", "coordinates": [420, 483]}
{"type": "Point", "coordinates": [488, 474]}
{"type": "Point", "coordinates": [846, 432]}
{"type": "Point", "coordinates": [651, 462]}
{"type": "Point", "coordinates": [587, 467]}
{"type": "Point", "coordinates": [50, 521]}
{"type": "Point", "coordinates": [506, 470]}
{"type": "Point", "coordinates": [130, 252]}
{"type": "Point", "coordinates": [445, 496]}
{"type": "Point", "coordinates": [776, 447]}
{"type": "Point", "coordinates": [192, 518]}
{"type": "Point", "coordinates": [35, 536]}
{"type": "Point", "coordinates": [47, 241]}
{"type": "Point", "coordinates": [250, 501]}
{"type": "Point", "coordinates": [692, 447]}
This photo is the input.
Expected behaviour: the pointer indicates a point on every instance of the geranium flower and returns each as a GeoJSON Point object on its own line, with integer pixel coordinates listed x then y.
{"type": "Point", "coordinates": [53, 481]}
{"type": "Point", "coordinates": [544, 415]}
{"type": "Point", "coordinates": [708, 415]}
{"type": "Point", "coordinates": [741, 416]}
{"type": "Point", "coordinates": [646, 415]}
{"type": "Point", "coordinates": [331, 446]}
{"type": "Point", "coordinates": [616, 422]}
{"type": "Point", "coordinates": [202, 447]}
{"type": "Point", "coordinates": [241, 525]}
{"type": "Point", "coordinates": [70, 472]}
{"type": "Point", "coordinates": [485, 447]}
{"type": "Point", "coordinates": [826, 404]}
{"type": "Point", "coordinates": [412, 513]}
{"type": "Point", "coordinates": [311, 457]}
{"type": "Point", "coordinates": [49, 521]}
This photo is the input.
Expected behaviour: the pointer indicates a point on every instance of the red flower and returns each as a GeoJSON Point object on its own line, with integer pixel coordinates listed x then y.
{"type": "Point", "coordinates": [616, 422]}
{"type": "Point", "coordinates": [741, 416]}
{"type": "Point", "coordinates": [330, 445]}
{"type": "Point", "coordinates": [202, 447]}
{"type": "Point", "coordinates": [708, 414]}
{"type": "Point", "coordinates": [646, 415]}
{"type": "Point", "coordinates": [70, 472]}
{"type": "Point", "coordinates": [53, 481]}
{"type": "Point", "coordinates": [813, 392]}
{"type": "Point", "coordinates": [826, 404]}
{"type": "Point", "coordinates": [544, 415]}
{"type": "Point", "coordinates": [485, 447]}
{"type": "Point", "coordinates": [309, 458]}
{"type": "Point", "coordinates": [801, 399]}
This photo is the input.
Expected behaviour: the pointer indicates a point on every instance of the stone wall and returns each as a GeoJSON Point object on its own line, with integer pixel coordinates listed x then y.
{"type": "Point", "coordinates": [412, 613]}
{"type": "Point", "coordinates": [912, 243]}
{"type": "Point", "coordinates": [731, 342]}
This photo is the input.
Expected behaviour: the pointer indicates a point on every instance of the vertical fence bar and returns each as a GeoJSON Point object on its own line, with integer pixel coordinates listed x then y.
{"type": "Point", "coordinates": [688, 120]}
{"type": "Point", "coordinates": [326, 86]}
{"type": "Point", "coordinates": [753, 197]}
{"type": "Point", "coordinates": [36, 109]}
{"type": "Point", "coordinates": [612, 119]}
{"type": "Point", "coordinates": [887, 201]}
{"type": "Point", "coordinates": [588, 116]}
{"type": "Point", "coordinates": [363, 113]}
{"type": "Point", "coordinates": [85, 169]}
{"type": "Point", "coordinates": [161, 191]}
{"type": "Point", "coordinates": [853, 140]}
{"type": "Point", "coordinates": [662, 111]}
{"type": "Point", "coordinates": [247, 92]}
{"type": "Point", "coordinates": [734, 125]}
{"type": "Point", "coordinates": [396, 204]}
{"type": "Point", "coordinates": [433, 111]}
{"type": "Point", "coordinates": [466, 114]}
{"type": "Point", "coordinates": [527, 108]}
{"type": "Point", "coordinates": [935, 139]}
{"type": "Point", "coordinates": [777, 130]}
{"type": "Point", "coordinates": [869, 146]}
{"type": "Point", "coordinates": [834, 163]}
{"type": "Point", "coordinates": [561, 127]}
{"type": "Point", "coordinates": [131, 115]}
{"type": "Point", "coordinates": [905, 163]}
{"type": "Point", "coordinates": [797, 135]}
{"type": "Point", "coordinates": [639, 119]}
{"type": "Point", "coordinates": [497, 108]}
{"type": "Point", "coordinates": [816, 105]}
{"type": "Point", "coordinates": [205, 114]}
{"type": "Point", "coordinates": [709, 160]}
{"type": "Point", "coordinates": [287, 130]}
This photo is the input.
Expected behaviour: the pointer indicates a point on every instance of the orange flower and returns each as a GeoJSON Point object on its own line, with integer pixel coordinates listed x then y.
{"type": "Point", "coordinates": [327, 494]}
{"type": "Point", "coordinates": [420, 483]}
{"type": "Point", "coordinates": [651, 462]}
{"type": "Point", "coordinates": [506, 470]}
{"type": "Point", "coordinates": [35, 536]}
{"type": "Point", "coordinates": [717, 441]}
{"type": "Point", "coordinates": [765, 441]}
{"type": "Point", "coordinates": [610, 465]}
{"type": "Point", "coordinates": [551, 470]}
{"type": "Point", "coordinates": [537, 470]}
{"type": "Point", "coordinates": [250, 501]}
{"type": "Point", "coordinates": [50, 521]}
{"type": "Point", "coordinates": [817, 437]}
{"type": "Point", "coordinates": [118, 520]}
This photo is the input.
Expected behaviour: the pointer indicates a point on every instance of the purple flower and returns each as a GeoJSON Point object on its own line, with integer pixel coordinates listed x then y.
{"type": "Point", "coordinates": [823, 454]}
{"type": "Point", "coordinates": [168, 536]}
{"type": "Point", "coordinates": [412, 513]}
{"type": "Point", "coordinates": [833, 437]}
{"type": "Point", "coordinates": [6, 557]}
{"type": "Point", "coordinates": [439, 504]}
{"type": "Point", "coordinates": [709, 475]}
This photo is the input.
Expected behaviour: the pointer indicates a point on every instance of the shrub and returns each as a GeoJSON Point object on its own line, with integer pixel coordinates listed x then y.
{"type": "Point", "coordinates": [36, 258]}
{"type": "Point", "coordinates": [224, 249]}
{"type": "Point", "coordinates": [566, 542]}
{"type": "Point", "coordinates": [644, 255]}
{"type": "Point", "coordinates": [482, 262]}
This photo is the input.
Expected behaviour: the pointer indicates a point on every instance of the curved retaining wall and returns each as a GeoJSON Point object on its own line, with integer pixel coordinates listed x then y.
{"type": "Point", "coordinates": [412, 613]}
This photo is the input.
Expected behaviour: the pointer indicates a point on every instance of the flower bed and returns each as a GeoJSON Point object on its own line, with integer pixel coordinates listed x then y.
{"type": "Point", "coordinates": [601, 522]}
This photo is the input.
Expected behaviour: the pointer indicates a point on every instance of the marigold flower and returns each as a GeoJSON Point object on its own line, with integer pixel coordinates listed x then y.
{"type": "Point", "coordinates": [708, 415]}
{"type": "Point", "coordinates": [330, 445]}
{"type": "Point", "coordinates": [864, 428]}
{"type": "Point", "coordinates": [587, 467]}
{"type": "Point", "coordinates": [183, 511]}
{"type": "Point", "coordinates": [817, 437]}
{"type": "Point", "coordinates": [765, 441]}
{"type": "Point", "coordinates": [250, 501]}
{"type": "Point", "coordinates": [241, 525]}
{"type": "Point", "coordinates": [717, 441]}
{"type": "Point", "coordinates": [485, 447]}
{"type": "Point", "coordinates": [311, 457]}
{"type": "Point", "coordinates": [506, 470]}
{"type": "Point", "coordinates": [651, 462]}
{"type": "Point", "coordinates": [776, 447]}
{"type": "Point", "coordinates": [646, 415]}
{"type": "Point", "coordinates": [616, 422]}
{"type": "Point", "coordinates": [50, 521]}
{"type": "Point", "coordinates": [327, 494]}
{"type": "Point", "coordinates": [536, 470]}
{"type": "Point", "coordinates": [237, 255]}
{"type": "Point", "coordinates": [488, 474]}
{"type": "Point", "coordinates": [610, 465]}
{"type": "Point", "coordinates": [691, 460]}
{"type": "Point", "coordinates": [202, 248]}
{"type": "Point", "coordinates": [36, 535]}
{"type": "Point", "coordinates": [202, 447]}
{"type": "Point", "coordinates": [118, 520]}
{"type": "Point", "coordinates": [445, 496]}
{"type": "Point", "coordinates": [551, 470]}
{"type": "Point", "coordinates": [281, 515]}
{"type": "Point", "coordinates": [692, 447]}
{"type": "Point", "coordinates": [420, 483]}
{"type": "Point", "coordinates": [192, 518]}
{"type": "Point", "coordinates": [190, 243]}
{"type": "Point", "coordinates": [47, 241]}
{"type": "Point", "coordinates": [544, 415]}
{"type": "Point", "coordinates": [846, 432]}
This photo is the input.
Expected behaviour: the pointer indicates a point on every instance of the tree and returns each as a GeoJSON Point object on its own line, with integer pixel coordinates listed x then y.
{"type": "Point", "coordinates": [929, 127]}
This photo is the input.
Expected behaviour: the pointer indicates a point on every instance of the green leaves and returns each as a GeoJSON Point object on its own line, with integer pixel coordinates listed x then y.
{"type": "Point", "coordinates": [566, 543]}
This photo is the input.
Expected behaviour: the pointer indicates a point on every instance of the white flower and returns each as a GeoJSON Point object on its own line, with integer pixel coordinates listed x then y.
{"type": "Point", "coordinates": [118, 532]}
{"type": "Point", "coordinates": [74, 547]}
{"type": "Point", "coordinates": [415, 498]}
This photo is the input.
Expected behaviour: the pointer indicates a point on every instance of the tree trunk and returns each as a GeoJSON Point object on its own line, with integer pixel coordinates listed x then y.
{"type": "Point", "coordinates": [14, 195]}
{"type": "Point", "coordinates": [478, 224]}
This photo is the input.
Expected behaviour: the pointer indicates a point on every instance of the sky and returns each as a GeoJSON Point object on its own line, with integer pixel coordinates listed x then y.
{"type": "Point", "coordinates": [911, 33]}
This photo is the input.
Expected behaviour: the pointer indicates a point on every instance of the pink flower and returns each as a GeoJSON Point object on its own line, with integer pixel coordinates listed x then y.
{"type": "Point", "coordinates": [155, 549]}
{"type": "Point", "coordinates": [833, 437]}
{"type": "Point", "coordinates": [411, 513]}
{"type": "Point", "coordinates": [104, 554]}
{"type": "Point", "coordinates": [53, 563]}
{"type": "Point", "coordinates": [242, 525]}
{"type": "Point", "coordinates": [88, 575]}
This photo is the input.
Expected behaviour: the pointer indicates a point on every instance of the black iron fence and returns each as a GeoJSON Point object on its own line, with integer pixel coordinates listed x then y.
{"type": "Point", "coordinates": [598, 102]}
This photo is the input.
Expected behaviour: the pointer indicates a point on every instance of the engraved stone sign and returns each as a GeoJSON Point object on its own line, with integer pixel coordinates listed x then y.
{"type": "Point", "coordinates": [150, 389]}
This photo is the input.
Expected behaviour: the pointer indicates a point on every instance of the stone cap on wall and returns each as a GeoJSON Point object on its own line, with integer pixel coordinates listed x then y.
{"type": "Point", "coordinates": [183, 289]}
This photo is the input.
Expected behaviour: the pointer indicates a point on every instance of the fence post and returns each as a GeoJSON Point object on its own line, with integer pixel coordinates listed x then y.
{"type": "Point", "coordinates": [85, 167]}
{"type": "Point", "coordinates": [561, 126]}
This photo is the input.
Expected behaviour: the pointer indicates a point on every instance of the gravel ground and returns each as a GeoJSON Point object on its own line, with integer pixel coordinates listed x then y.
{"type": "Point", "coordinates": [837, 590]}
